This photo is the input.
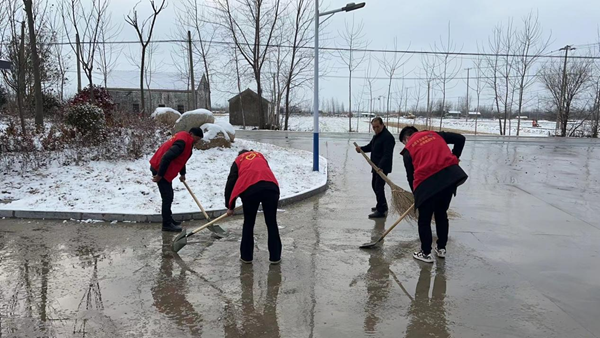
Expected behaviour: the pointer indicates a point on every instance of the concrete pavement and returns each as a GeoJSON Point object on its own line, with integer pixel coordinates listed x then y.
{"type": "Point", "coordinates": [522, 260]}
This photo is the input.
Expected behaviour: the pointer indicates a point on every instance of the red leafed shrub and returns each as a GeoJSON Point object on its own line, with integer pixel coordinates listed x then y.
{"type": "Point", "coordinates": [102, 99]}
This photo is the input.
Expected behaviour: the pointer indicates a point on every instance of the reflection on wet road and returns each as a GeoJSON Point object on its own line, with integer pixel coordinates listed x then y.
{"type": "Point", "coordinates": [526, 214]}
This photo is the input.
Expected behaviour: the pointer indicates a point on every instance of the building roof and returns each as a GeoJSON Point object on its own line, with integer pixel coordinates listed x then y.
{"type": "Point", "coordinates": [248, 91]}
{"type": "Point", "coordinates": [126, 79]}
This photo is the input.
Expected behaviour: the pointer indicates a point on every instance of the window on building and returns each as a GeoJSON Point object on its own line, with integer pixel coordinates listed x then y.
{"type": "Point", "coordinates": [181, 108]}
{"type": "Point", "coordinates": [136, 107]}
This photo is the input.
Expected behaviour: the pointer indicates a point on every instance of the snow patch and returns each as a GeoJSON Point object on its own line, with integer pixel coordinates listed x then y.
{"type": "Point", "coordinates": [127, 187]}
{"type": "Point", "coordinates": [226, 125]}
{"type": "Point", "coordinates": [164, 110]}
{"type": "Point", "coordinates": [211, 131]}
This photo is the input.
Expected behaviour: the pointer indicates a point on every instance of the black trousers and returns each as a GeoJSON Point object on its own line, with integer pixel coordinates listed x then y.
{"type": "Point", "coordinates": [378, 185]}
{"type": "Point", "coordinates": [269, 200]}
{"type": "Point", "coordinates": [436, 206]}
{"type": "Point", "coordinates": [166, 193]}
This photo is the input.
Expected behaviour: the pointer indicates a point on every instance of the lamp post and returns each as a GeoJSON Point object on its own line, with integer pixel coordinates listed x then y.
{"type": "Point", "coordinates": [348, 8]}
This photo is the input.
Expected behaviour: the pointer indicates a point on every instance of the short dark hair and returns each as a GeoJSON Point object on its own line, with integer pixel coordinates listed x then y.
{"type": "Point", "coordinates": [378, 119]}
{"type": "Point", "coordinates": [407, 131]}
{"type": "Point", "coordinates": [197, 131]}
{"type": "Point", "coordinates": [243, 151]}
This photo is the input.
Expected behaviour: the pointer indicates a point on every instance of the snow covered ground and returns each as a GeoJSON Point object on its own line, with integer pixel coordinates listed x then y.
{"type": "Point", "coordinates": [334, 124]}
{"type": "Point", "coordinates": [126, 187]}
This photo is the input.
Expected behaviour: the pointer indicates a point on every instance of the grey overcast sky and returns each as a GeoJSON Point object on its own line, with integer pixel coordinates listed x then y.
{"type": "Point", "coordinates": [415, 23]}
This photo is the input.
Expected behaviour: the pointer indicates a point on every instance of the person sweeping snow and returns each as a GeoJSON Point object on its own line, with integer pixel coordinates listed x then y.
{"type": "Point", "coordinates": [168, 161]}
{"type": "Point", "coordinates": [381, 148]}
{"type": "Point", "coordinates": [251, 179]}
{"type": "Point", "coordinates": [433, 174]}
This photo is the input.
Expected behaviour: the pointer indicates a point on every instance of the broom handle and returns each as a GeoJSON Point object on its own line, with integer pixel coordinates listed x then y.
{"type": "Point", "coordinates": [377, 170]}
{"type": "Point", "coordinates": [397, 222]}
{"type": "Point", "coordinates": [195, 199]}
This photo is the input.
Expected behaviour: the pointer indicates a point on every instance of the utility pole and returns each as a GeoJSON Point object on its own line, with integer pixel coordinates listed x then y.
{"type": "Point", "coordinates": [78, 57]}
{"type": "Point", "coordinates": [468, 70]}
{"type": "Point", "coordinates": [561, 102]}
{"type": "Point", "coordinates": [193, 83]}
{"type": "Point", "coordinates": [406, 99]}
{"type": "Point", "coordinates": [427, 122]}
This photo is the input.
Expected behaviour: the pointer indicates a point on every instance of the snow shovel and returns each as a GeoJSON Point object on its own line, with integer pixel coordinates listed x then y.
{"type": "Point", "coordinates": [372, 245]}
{"type": "Point", "coordinates": [215, 229]}
{"type": "Point", "coordinates": [181, 240]}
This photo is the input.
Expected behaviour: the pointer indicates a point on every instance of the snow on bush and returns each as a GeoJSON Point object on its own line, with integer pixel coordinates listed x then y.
{"type": "Point", "coordinates": [87, 118]}
{"type": "Point", "coordinates": [102, 98]}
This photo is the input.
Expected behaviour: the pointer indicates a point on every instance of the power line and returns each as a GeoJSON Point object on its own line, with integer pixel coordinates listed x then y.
{"type": "Point", "coordinates": [336, 49]}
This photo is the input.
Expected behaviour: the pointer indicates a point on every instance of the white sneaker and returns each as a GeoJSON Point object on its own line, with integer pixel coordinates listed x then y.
{"type": "Point", "coordinates": [245, 262]}
{"type": "Point", "coordinates": [275, 262]}
{"type": "Point", "coordinates": [441, 253]}
{"type": "Point", "coordinates": [423, 257]}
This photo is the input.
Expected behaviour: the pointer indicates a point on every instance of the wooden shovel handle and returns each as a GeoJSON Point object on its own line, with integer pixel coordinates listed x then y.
{"type": "Point", "coordinates": [210, 223]}
{"type": "Point", "coordinates": [195, 199]}
{"type": "Point", "coordinates": [375, 167]}
{"type": "Point", "coordinates": [397, 222]}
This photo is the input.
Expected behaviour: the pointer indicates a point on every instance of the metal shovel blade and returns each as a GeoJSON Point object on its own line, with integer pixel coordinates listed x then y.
{"type": "Point", "coordinates": [180, 241]}
{"type": "Point", "coordinates": [217, 231]}
{"type": "Point", "coordinates": [369, 245]}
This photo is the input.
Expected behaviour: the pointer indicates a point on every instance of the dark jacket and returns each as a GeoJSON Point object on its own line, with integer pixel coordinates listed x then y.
{"type": "Point", "coordinates": [381, 148]}
{"type": "Point", "coordinates": [257, 187]}
{"type": "Point", "coordinates": [448, 177]}
{"type": "Point", "coordinates": [176, 149]}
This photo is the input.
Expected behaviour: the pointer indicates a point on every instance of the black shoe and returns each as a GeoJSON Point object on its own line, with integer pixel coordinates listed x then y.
{"type": "Point", "coordinates": [378, 214]}
{"type": "Point", "coordinates": [374, 209]}
{"type": "Point", "coordinates": [171, 228]}
{"type": "Point", "coordinates": [175, 222]}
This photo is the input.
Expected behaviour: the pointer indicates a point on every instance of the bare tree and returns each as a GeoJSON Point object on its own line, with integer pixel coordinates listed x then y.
{"type": "Point", "coordinates": [500, 69]}
{"type": "Point", "coordinates": [191, 16]}
{"type": "Point", "coordinates": [144, 30]}
{"type": "Point", "coordinates": [447, 68]}
{"type": "Point", "coordinates": [300, 56]}
{"type": "Point", "coordinates": [417, 94]}
{"type": "Point", "coordinates": [596, 88]}
{"type": "Point", "coordinates": [579, 74]}
{"type": "Point", "coordinates": [479, 86]}
{"type": "Point", "coordinates": [370, 77]}
{"type": "Point", "coordinates": [353, 39]}
{"type": "Point", "coordinates": [62, 59]}
{"type": "Point", "coordinates": [149, 69]}
{"type": "Point", "coordinates": [39, 101]}
{"type": "Point", "coordinates": [85, 22]}
{"type": "Point", "coordinates": [15, 51]}
{"type": "Point", "coordinates": [251, 26]}
{"type": "Point", "coordinates": [109, 52]}
{"type": "Point", "coordinates": [530, 45]}
{"type": "Point", "coordinates": [390, 65]}
{"type": "Point", "coordinates": [428, 65]}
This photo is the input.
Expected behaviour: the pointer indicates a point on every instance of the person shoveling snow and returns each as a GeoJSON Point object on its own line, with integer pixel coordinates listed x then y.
{"type": "Point", "coordinates": [433, 175]}
{"type": "Point", "coordinates": [168, 161]}
{"type": "Point", "coordinates": [251, 179]}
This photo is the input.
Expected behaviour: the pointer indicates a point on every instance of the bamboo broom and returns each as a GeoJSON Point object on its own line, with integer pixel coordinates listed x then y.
{"type": "Point", "coordinates": [402, 200]}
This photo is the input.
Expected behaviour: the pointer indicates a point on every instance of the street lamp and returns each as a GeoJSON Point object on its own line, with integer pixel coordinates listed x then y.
{"type": "Point", "coordinates": [348, 8]}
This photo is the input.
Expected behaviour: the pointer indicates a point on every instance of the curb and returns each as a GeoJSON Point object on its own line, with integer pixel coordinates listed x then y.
{"type": "Point", "coordinates": [142, 218]}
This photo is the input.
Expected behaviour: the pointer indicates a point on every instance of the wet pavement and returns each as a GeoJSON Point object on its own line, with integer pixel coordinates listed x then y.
{"type": "Point", "coordinates": [522, 260]}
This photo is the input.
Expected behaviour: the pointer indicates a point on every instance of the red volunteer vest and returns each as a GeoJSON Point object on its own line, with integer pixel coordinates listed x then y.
{"type": "Point", "coordinates": [252, 168]}
{"type": "Point", "coordinates": [177, 164]}
{"type": "Point", "coordinates": [430, 154]}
